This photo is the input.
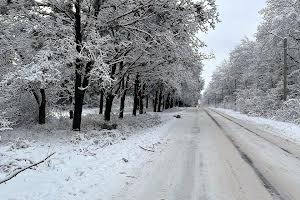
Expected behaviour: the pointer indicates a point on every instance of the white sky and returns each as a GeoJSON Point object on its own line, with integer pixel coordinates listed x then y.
{"type": "Point", "coordinates": [239, 18]}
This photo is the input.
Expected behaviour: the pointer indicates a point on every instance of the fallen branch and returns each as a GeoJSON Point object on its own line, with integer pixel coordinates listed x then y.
{"type": "Point", "coordinates": [146, 149]}
{"type": "Point", "coordinates": [25, 168]}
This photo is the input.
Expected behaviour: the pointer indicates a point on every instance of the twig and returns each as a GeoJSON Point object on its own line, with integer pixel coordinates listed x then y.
{"type": "Point", "coordinates": [146, 149]}
{"type": "Point", "coordinates": [24, 159]}
{"type": "Point", "coordinates": [25, 168]}
{"type": "Point", "coordinates": [130, 176]}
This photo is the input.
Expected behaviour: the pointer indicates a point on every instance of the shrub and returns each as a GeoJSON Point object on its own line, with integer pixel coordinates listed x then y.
{"type": "Point", "coordinates": [256, 102]}
{"type": "Point", "coordinates": [289, 111]}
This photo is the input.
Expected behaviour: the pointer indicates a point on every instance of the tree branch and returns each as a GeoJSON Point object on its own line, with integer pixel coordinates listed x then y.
{"type": "Point", "coordinates": [23, 169]}
{"type": "Point", "coordinates": [146, 149]}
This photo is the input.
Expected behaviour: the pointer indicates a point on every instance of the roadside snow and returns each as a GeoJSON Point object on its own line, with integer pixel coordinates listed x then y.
{"type": "Point", "coordinates": [88, 165]}
{"type": "Point", "coordinates": [284, 130]}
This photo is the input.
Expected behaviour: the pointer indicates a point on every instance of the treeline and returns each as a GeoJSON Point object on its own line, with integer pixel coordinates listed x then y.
{"type": "Point", "coordinates": [261, 77]}
{"type": "Point", "coordinates": [58, 53]}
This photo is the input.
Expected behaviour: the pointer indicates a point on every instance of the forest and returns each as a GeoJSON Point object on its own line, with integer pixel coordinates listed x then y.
{"type": "Point", "coordinates": [261, 76]}
{"type": "Point", "coordinates": [70, 54]}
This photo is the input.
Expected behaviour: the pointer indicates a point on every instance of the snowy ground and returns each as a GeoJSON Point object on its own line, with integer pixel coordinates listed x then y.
{"type": "Point", "coordinates": [285, 130]}
{"type": "Point", "coordinates": [87, 165]}
{"type": "Point", "coordinates": [203, 155]}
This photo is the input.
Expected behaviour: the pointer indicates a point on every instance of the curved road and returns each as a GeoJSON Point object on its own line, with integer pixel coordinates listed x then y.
{"type": "Point", "coordinates": [210, 157]}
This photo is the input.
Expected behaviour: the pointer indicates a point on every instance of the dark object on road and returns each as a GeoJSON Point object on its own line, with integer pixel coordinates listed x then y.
{"type": "Point", "coordinates": [177, 116]}
{"type": "Point", "coordinates": [125, 160]}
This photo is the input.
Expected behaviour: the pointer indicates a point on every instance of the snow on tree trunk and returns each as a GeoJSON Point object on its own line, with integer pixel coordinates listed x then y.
{"type": "Point", "coordinates": [78, 93]}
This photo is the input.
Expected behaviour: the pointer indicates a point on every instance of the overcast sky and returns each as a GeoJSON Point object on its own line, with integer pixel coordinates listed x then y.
{"type": "Point", "coordinates": [240, 18]}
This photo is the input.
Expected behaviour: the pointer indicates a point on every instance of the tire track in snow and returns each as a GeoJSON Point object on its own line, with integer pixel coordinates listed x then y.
{"type": "Point", "coordinates": [266, 183]}
{"type": "Point", "coordinates": [258, 135]}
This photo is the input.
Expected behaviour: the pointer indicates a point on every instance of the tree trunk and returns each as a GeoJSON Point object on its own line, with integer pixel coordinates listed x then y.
{"type": "Point", "coordinates": [285, 69]}
{"type": "Point", "coordinates": [110, 96]}
{"type": "Point", "coordinates": [41, 102]}
{"type": "Point", "coordinates": [108, 106]}
{"type": "Point", "coordinates": [155, 102]}
{"type": "Point", "coordinates": [71, 114]}
{"type": "Point", "coordinates": [135, 97]}
{"type": "Point", "coordinates": [101, 101]}
{"type": "Point", "coordinates": [122, 105]}
{"type": "Point", "coordinates": [42, 107]}
{"type": "Point", "coordinates": [172, 103]}
{"type": "Point", "coordinates": [97, 4]}
{"type": "Point", "coordinates": [163, 102]}
{"type": "Point", "coordinates": [77, 106]}
{"type": "Point", "coordinates": [141, 99]}
{"type": "Point", "coordinates": [222, 94]}
{"type": "Point", "coordinates": [168, 101]}
{"type": "Point", "coordinates": [123, 97]}
{"type": "Point", "coordinates": [159, 101]}
{"type": "Point", "coordinates": [147, 101]}
{"type": "Point", "coordinates": [78, 93]}
{"type": "Point", "coordinates": [79, 96]}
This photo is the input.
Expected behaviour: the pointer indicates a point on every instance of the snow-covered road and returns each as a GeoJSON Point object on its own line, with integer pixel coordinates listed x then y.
{"type": "Point", "coordinates": [275, 160]}
{"type": "Point", "coordinates": [208, 156]}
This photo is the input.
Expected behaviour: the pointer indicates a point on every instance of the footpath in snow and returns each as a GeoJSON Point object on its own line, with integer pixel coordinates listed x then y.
{"type": "Point", "coordinates": [86, 165]}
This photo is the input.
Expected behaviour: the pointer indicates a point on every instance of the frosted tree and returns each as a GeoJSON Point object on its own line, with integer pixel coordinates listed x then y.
{"type": "Point", "coordinates": [142, 28]}
{"type": "Point", "coordinates": [108, 47]}
{"type": "Point", "coordinates": [264, 73]}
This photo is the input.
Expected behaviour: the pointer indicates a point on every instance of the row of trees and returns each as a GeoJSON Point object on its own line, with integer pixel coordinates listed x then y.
{"type": "Point", "coordinates": [261, 77]}
{"type": "Point", "coordinates": [59, 52]}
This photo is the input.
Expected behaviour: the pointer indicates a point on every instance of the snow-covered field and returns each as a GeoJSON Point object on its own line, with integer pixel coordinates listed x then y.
{"type": "Point", "coordinates": [285, 130]}
{"type": "Point", "coordinates": [86, 165]}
